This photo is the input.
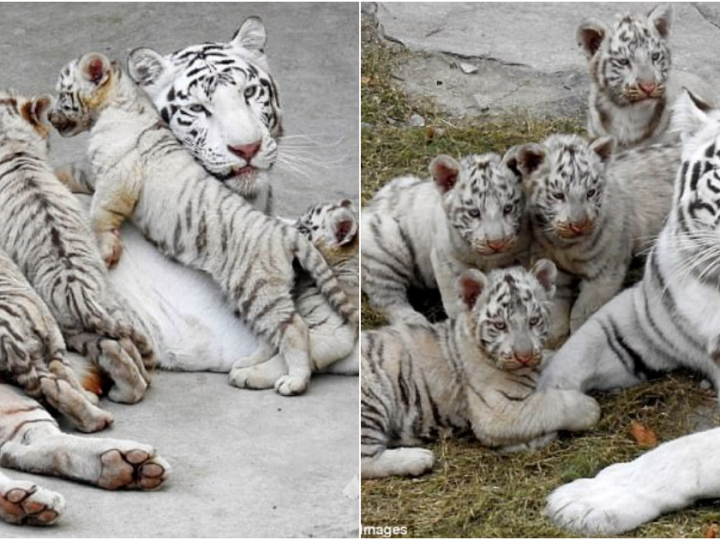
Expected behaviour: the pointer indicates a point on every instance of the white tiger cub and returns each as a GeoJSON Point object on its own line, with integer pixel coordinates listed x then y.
{"type": "Point", "coordinates": [30, 441]}
{"type": "Point", "coordinates": [632, 85]}
{"type": "Point", "coordinates": [475, 373]}
{"type": "Point", "coordinates": [45, 234]}
{"type": "Point", "coordinates": [589, 220]}
{"type": "Point", "coordinates": [139, 166]}
{"type": "Point", "coordinates": [667, 321]}
{"type": "Point", "coordinates": [333, 229]}
{"type": "Point", "coordinates": [419, 233]}
{"type": "Point", "coordinates": [32, 352]}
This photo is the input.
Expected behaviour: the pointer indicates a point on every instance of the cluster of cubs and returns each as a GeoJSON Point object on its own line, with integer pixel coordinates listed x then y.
{"type": "Point", "coordinates": [575, 213]}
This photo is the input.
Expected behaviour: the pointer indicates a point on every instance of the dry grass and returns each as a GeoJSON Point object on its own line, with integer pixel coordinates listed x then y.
{"type": "Point", "coordinates": [475, 492]}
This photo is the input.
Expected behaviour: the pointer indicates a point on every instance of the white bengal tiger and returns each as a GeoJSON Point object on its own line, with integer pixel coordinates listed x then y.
{"type": "Point", "coordinates": [333, 229]}
{"type": "Point", "coordinates": [222, 103]}
{"type": "Point", "coordinates": [632, 85]}
{"type": "Point", "coordinates": [419, 233]}
{"type": "Point", "coordinates": [475, 373]}
{"type": "Point", "coordinates": [139, 166]}
{"type": "Point", "coordinates": [590, 217]}
{"type": "Point", "coordinates": [669, 320]}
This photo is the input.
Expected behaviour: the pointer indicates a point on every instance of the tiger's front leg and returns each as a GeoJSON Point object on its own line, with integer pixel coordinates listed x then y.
{"type": "Point", "coordinates": [116, 194]}
{"type": "Point", "coordinates": [594, 294]}
{"type": "Point", "coordinates": [447, 270]}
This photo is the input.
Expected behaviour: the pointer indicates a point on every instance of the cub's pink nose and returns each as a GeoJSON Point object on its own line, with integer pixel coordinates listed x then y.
{"type": "Point", "coordinates": [246, 151]}
{"type": "Point", "coordinates": [496, 245]}
{"type": "Point", "coordinates": [524, 357]}
{"type": "Point", "coordinates": [647, 87]}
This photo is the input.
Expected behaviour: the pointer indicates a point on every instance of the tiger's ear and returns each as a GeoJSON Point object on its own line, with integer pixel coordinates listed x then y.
{"type": "Point", "coordinates": [251, 35]}
{"type": "Point", "coordinates": [95, 67]}
{"type": "Point", "coordinates": [690, 114]}
{"type": "Point", "coordinates": [545, 272]}
{"type": "Point", "coordinates": [470, 286]}
{"type": "Point", "coordinates": [510, 159]}
{"type": "Point", "coordinates": [661, 18]}
{"type": "Point", "coordinates": [529, 157]}
{"type": "Point", "coordinates": [603, 147]}
{"type": "Point", "coordinates": [146, 66]}
{"type": "Point", "coordinates": [590, 35]}
{"type": "Point", "coordinates": [344, 225]}
{"type": "Point", "coordinates": [444, 171]}
{"type": "Point", "coordinates": [35, 111]}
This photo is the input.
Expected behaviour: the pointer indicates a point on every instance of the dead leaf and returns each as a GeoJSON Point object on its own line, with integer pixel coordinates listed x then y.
{"type": "Point", "coordinates": [712, 531]}
{"type": "Point", "coordinates": [364, 80]}
{"type": "Point", "coordinates": [643, 435]}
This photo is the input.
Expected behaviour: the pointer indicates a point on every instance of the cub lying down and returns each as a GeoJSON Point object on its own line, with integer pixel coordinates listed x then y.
{"type": "Point", "coordinates": [473, 373]}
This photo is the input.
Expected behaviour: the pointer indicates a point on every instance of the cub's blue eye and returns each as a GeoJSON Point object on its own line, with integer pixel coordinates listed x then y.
{"type": "Point", "coordinates": [508, 209]}
{"type": "Point", "coordinates": [623, 61]}
{"type": "Point", "coordinates": [500, 325]}
{"type": "Point", "coordinates": [591, 193]}
{"type": "Point", "coordinates": [250, 91]}
{"type": "Point", "coordinates": [197, 108]}
{"type": "Point", "coordinates": [559, 196]}
{"type": "Point", "coordinates": [534, 321]}
{"type": "Point", "coordinates": [474, 213]}
{"type": "Point", "coordinates": [655, 56]}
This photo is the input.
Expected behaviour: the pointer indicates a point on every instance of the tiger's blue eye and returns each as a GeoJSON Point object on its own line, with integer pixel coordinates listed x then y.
{"type": "Point", "coordinates": [197, 108]}
{"type": "Point", "coordinates": [508, 209]}
{"type": "Point", "coordinates": [250, 91]}
{"type": "Point", "coordinates": [559, 196]}
{"type": "Point", "coordinates": [655, 56]}
{"type": "Point", "coordinates": [623, 61]}
{"type": "Point", "coordinates": [500, 325]}
{"type": "Point", "coordinates": [591, 193]}
{"type": "Point", "coordinates": [474, 213]}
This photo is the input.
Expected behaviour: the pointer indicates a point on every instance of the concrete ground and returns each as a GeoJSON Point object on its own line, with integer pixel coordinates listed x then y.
{"type": "Point", "coordinates": [500, 57]}
{"type": "Point", "coordinates": [244, 463]}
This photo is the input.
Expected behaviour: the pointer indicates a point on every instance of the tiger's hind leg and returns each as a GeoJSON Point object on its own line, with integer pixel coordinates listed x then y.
{"type": "Point", "coordinates": [23, 502]}
{"type": "Point", "coordinates": [119, 359]}
{"type": "Point", "coordinates": [37, 445]}
{"type": "Point", "coordinates": [295, 349]}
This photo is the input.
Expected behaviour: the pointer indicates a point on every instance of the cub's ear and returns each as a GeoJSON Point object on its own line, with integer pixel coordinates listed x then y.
{"type": "Point", "coordinates": [661, 18]}
{"type": "Point", "coordinates": [470, 286]}
{"type": "Point", "coordinates": [545, 272]}
{"type": "Point", "coordinates": [690, 114]}
{"type": "Point", "coordinates": [603, 147]}
{"type": "Point", "coordinates": [146, 66]}
{"type": "Point", "coordinates": [529, 157]}
{"type": "Point", "coordinates": [95, 67]}
{"type": "Point", "coordinates": [590, 35]}
{"type": "Point", "coordinates": [511, 160]}
{"type": "Point", "coordinates": [344, 226]}
{"type": "Point", "coordinates": [444, 171]}
{"type": "Point", "coordinates": [251, 35]}
{"type": "Point", "coordinates": [35, 111]}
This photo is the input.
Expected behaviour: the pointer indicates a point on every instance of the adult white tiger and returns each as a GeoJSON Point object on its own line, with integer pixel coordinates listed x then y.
{"type": "Point", "coordinates": [669, 320]}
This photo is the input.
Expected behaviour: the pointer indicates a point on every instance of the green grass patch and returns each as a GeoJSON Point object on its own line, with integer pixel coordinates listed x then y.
{"type": "Point", "coordinates": [474, 491]}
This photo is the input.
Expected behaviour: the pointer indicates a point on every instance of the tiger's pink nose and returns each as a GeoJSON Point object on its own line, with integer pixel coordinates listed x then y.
{"type": "Point", "coordinates": [496, 245]}
{"type": "Point", "coordinates": [647, 87]}
{"type": "Point", "coordinates": [246, 151]}
{"type": "Point", "coordinates": [524, 357]}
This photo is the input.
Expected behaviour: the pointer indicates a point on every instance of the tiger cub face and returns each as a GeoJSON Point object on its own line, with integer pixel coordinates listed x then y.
{"type": "Point", "coordinates": [83, 87]}
{"type": "Point", "coordinates": [220, 101]}
{"type": "Point", "coordinates": [483, 199]}
{"type": "Point", "coordinates": [697, 192]}
{"type": "Point", "coordinates": [333, 229]}
{"type": "Point", "coordinates": [566, 181]}
{"type": "Point", "coordinates": [25, 121]}
{"type": "Point", "coordinates": [507, 312]}
{"type": "Point", "coordinates": [630, 61]}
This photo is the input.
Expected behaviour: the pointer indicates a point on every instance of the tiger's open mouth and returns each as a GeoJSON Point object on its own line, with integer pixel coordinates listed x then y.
{"type": "Point", "coordinates": [247, 172]}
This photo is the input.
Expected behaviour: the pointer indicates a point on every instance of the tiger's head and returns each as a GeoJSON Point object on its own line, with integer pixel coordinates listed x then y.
{"type": "Point", "coordinates": [220, 101]}
{"type": "Point", "coordinates": [507, 312]}
{"type": "Point", "coordinates": [696, 210]}
{"type": "Point", "coordinates": [483, 199]}
{"type": "Point", "coordinates": [332, 229]}
{"type": "Point", "coordinates": [565, 178]}
{"type": "Point", "coordinates": [629, 62]}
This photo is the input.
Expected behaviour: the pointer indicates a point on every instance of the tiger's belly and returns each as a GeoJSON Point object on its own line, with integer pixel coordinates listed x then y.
{"type": "Point", "coordinates": [193, 324]}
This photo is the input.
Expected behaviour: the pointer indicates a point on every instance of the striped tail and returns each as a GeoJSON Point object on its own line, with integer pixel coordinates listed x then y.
{"type": "Point", "coordinates": [88, 373]}
{"type": "Point", "coordinates": [316, 266]}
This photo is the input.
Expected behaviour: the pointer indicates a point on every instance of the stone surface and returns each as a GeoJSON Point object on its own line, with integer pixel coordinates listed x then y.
{"type": "Point", "coordinates": [526, 54]}
{"type": "Point", "coordinates": [244, 463]}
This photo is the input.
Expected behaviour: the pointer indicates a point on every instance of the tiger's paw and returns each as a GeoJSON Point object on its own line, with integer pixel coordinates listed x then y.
{"type": "Point", "coordinates": [402, 461]}
{"type": "Point", "coordinates": [110, 247]}
{"type": "Point", "coordinates": [250, 378]}
{"type": "Point", "coordinates": [25, 503]}
{"type": "Point", "coordinates": [135, 467]}
{"type": "Point", "coordinates": [291, 386]}
{"type": "Point", "coordinates": [606, 505]}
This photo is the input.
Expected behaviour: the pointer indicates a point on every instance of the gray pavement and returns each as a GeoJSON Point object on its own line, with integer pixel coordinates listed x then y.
{"type": "Point", "coordinates": [523, 56]}
{"type": "Point", "coordinates": [244, 463]}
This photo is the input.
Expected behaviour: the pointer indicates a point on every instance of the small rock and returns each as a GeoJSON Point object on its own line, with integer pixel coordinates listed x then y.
{"type": "Point", "coordinates": [705, 385]}
{"type": "Point", "coordinates": [368, 8]}
{"type": "Point", "coordinates": [468, 69]}
{"type": "Point", "coordinates": [366, 125]}
{"type": "Point", "coordinates": [417, 121]}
